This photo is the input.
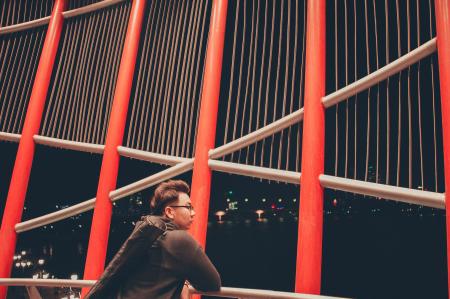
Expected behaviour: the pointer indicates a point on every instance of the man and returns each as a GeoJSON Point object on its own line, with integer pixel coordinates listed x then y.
{"type": "Point", "coordinates": [159, 256]}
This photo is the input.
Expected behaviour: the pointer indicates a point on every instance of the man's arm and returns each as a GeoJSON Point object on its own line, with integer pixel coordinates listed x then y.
{"type": "Point", "coordinates": [196, 266]}
{"type": "Point", "coordinates": [201, 273]}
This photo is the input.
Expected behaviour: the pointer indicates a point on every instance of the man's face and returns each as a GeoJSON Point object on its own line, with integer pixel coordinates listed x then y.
{"type": "Point", "coordinates": [181, 211]}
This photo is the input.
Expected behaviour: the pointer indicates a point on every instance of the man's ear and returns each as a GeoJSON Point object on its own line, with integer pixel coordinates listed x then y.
{"type": "Point", "coordinates": [169, 212]}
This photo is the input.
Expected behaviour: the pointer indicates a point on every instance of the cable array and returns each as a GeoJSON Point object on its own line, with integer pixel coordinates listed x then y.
{"type": "Point", "coordinates": [18, 11]}
{"type": "Point", "coordinates": [83, 82]}
{"type": "Point", "coordinates": [390, 133]}
{"type": "Point", "coordinates": [165, 100]}
{"type": "Point", "coordinates": [20, 53]}
{"type": "Point", "coordinates": [263, 79]}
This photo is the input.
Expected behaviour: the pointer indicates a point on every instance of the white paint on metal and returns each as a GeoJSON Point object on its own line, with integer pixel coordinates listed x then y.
{"type": "Point", "coordinates": [150, 157]}
{"type": "Point", "coordinates": [55, 216]}
{"type": "Point", "coordinates": [151, 180]}
{"type": "Point", "coordinates": [256, 171]}
{"type": "Point", "coordinates": [25, 25]}
{"type": "Point", "coordinates": [276, 126]}
{"type": "Point", "coordinates": [224, 291]}
{"type": "Point", "coordinates": [381, 74]}
{"type": "Point", "coordinates": [412, 196]}
{"type": "Point", "coordinates": [71, 145]}
{"type": "Point", "coordinates": [90, 8]}
{"type": "Point", "coordinates": [10, 137]}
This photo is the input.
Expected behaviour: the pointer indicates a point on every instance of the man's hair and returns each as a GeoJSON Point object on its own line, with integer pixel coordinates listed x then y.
{"type": "Point", "coordinates": [167, 193]}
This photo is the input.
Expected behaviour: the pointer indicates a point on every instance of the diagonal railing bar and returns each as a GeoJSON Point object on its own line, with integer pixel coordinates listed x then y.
{"type": "Point", "coordinates": [224, 291]}
{"type": "Point", "coordinates": [10, 137]}
{"type": "Point", "coordinates": [67, 144]}
{"type": "Point", "coordinates": [67, 14]}
{"type": "Point", "coordinates": [25, 25]}
{"type": "Point", "coordinates": [114, 195]}
{"type": "Point", "coordinates": [90, 8]}
{"type": "Point", "coordinates": [253, 137]}
{"type": "Point", "coordinates": [150, 157]}
{"type": "Point", "coordinates": [412, 196]}
{"type": "Point", "coordinates": [55, 216]}
{"type": "Point", "coordinates": [379, 75]}
{"type": "Point", "coordinates": [255, 171]}
{"type": "Point", "coordinates": [151, 180]}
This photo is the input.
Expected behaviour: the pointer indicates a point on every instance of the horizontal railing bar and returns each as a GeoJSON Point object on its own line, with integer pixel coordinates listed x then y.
{"type": "Point", "coordinates": [90, 8]}
{"type": "Point", "coordinates": [55, 216]}
{"type": "Point", "coordinates": [412, 196]}
{"type": "Point", "coordinates": [381, 74]}
{"type": "Point", "coordinates": [257, 135]}
{"type": "Point", "coordinates": [224, 291]}
{"type": "Point", "coordinates": [46, 282]}
{"type": "Point", "coordinates": [151, 180]}
{"type": "Point", "coordinates": [256, 171]}
{"type": "Point", "coordinates": [67, 14]}
{"type": "Point", "coordinates": [114, 195]}
{"type": "Point", "coordinates": [150, 157]}
{"type": "Point", "coordinates": [25, 25]}
{"type": "Point", "coordinates": [71, 145]}
{"type": "Point", "coordinates": [255, 293]}
{"type": "Point", "coordinates": [10, 137]}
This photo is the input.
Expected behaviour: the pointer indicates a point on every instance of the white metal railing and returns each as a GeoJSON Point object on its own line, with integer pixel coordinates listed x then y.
{"type": "Point", "coordinates": [67, 144]}
{"type": "Point", "coordinates": [381, 74]}
{"type": "Point", "coordinates": [257, 135]}
{"type": "Point", "coordinates": [224, 291]}
{"type": "Point", "coordinates": [413, 196]}
{"type": "Point", "coordinates": [256, 171]}
{"type": "Point", "coordinates": [55, 216]}
{"type": "Point", "coordinates": [90, 8]}
{"type": "Point", "coordinates": [150, 157]}
{"type": "Point", "coordinates": [113, 195]}
{"type": "Point", "coordinates": [151, 180]}
{"type": "Point", "coordinates": [67, 14]}
{"type": "Point", "coordinates": [10, 137]}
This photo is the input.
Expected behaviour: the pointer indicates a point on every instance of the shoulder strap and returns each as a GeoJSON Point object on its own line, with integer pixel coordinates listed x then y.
{"type": "Point", "coordinates": [128, 256]}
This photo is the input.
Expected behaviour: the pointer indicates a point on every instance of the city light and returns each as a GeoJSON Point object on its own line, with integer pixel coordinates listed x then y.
{"type": "Point", "coordinates": [259, 212]}
{"type": "Point", "coordinates": [41, 261]}
{"type": "Point", "coordinates": [74, 276]}
{"type": "Point", "coordinates": [220, 214]}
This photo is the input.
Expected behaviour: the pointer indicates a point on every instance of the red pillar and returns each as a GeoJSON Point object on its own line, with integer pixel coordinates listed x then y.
{"type": "Point", "coordinates": [442, 8]}
{"type": "Point", "coordinates": [309, 245]}
{"type": "Point", "coordinates": [24, 158]}
{"type": "Point", "coordinates": [98, 240]}
{"type": "Point", "coordinates": [206, 132]}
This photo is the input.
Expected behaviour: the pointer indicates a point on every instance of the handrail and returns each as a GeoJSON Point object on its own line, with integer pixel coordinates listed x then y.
{"type": "Point", "coordinates": [55, 216]}
{"type": "Point", "coordinates": [25, 25]}
{"type": "Point", "coordinates": [151, 180]}
{"type": "Point", "coordinates": [67, 14]}
{"type": "Point", "coordinates": [150, 157]}
{"type": "Point", "coordinates": [224, 291]}
{"type": "Point", "coordinates": [255, 293]}
{"type": "Point", "coordinates": [257, 135]}
{"type": "Point", "coordinates": [413, 196]}
{"type": "Point", "coordinates": [10, 137]}
{"type": "Point", "coordinates": [381, 74]}
{"type": "Point", "coordinates": [113, 195]}
{"type": "Point", "coordinates": [90, 8]}
{"type": "Point", "coordinates": [256, 171]}
{"type": "Point", "coordinates": [68, 144]}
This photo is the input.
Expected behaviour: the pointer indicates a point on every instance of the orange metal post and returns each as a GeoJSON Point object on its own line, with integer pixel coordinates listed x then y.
{"type": "Point", "coordinates": [24, 158]}
{"type": "Point", "coordinates": [442, 8]}
{"type": "Point", "coordinates": [98, 240]}
{"type": "Point", "coordinates": [206, 134]}
{"type": "Point", "coordinates": [309, 245]}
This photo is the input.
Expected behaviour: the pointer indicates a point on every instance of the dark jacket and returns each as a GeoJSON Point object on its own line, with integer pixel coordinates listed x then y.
{"type": "Point", "coordinates": [154, 262]}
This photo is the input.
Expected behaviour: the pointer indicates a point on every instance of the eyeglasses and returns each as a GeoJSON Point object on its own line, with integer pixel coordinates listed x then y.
{"type": "Point", "coordinates": [189, 207]}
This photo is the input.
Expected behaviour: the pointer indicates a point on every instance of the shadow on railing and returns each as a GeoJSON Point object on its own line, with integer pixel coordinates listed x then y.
{"type": "Point", "coordinates": [224, 292]}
